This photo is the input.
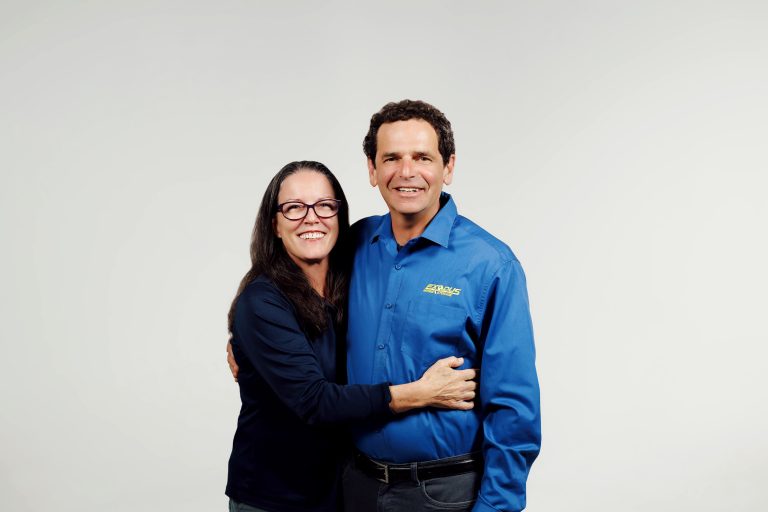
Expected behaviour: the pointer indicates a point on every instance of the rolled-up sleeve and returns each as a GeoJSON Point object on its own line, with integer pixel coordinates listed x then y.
{"type": "Point", "coordinates": [267, 333]}
{"type": "Point", "coordinates": [508, 392]}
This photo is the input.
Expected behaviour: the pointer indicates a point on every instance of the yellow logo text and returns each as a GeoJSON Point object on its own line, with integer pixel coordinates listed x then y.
{"type": "Point", "coordinates": [439, 289]}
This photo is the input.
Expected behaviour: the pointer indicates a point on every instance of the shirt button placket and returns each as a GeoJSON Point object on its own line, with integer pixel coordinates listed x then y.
{"type": "Point", "coordinates": [395, 280]}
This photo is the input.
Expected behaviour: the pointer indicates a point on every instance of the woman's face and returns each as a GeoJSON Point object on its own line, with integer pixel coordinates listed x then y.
{"type": "Point", "coordinates": [307, 241]}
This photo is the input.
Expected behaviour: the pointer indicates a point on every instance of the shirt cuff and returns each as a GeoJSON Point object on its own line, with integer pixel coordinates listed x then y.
{"type": "Point", "coordinates": [482, 506]}
{"type": "Point", "coordinates": [386, 398]}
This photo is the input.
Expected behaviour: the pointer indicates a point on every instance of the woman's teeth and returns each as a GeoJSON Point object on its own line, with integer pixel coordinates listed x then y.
{"type": "Point", "coordinates": [312, 235]}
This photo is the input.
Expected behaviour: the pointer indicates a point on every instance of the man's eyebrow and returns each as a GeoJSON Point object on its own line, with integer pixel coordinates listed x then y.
{"type": "Point", "coordinates": [391, 153]}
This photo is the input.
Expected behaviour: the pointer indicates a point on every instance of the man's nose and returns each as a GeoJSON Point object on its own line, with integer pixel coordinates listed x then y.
{"type": "Point", "coordinates": [406, 169]}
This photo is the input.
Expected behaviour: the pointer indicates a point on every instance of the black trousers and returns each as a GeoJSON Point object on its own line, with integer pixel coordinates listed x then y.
{"type": "Point", "coordinates": [366, 494]}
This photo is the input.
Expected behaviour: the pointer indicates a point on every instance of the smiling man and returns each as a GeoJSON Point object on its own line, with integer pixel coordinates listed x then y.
{"type": "Point", "coordinates": [428, 283]}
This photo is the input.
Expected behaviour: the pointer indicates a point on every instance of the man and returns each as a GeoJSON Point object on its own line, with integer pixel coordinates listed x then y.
{"type": "Point", "coordinates": [428, 283]}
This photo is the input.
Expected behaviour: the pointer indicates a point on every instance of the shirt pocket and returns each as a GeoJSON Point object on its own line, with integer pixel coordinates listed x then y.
{"type": "Point", "coordinates": [432, 331]}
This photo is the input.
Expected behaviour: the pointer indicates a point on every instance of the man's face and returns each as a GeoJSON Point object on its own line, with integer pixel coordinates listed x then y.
{"type": "Point", "coordinates": [409, 170]}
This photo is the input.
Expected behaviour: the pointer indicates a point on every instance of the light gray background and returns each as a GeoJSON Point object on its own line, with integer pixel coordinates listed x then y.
{"type": "Point", "coordinates": [618, 147]}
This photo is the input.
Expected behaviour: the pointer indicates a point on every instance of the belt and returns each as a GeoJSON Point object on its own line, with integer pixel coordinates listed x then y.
{"type": "Point", "coordinates": [391, 473]}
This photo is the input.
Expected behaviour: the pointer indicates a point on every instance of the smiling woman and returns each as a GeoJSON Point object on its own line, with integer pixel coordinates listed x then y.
{"type": "Point", "coordinates": [283, 322]}
{"type": "Point", "coordinates": [308, 273]}
{"type": "Point", "coordinates": [308, 235]}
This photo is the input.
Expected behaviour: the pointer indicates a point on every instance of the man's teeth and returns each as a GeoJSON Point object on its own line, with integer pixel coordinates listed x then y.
{"type": "Point", "coordinates": [403, 189]}
{"type": "Point", "coordinates": [312, 235]}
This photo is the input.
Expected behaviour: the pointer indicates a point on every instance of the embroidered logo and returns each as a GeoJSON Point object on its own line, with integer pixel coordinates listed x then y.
{"type": "Point", "coordinates": [439, 289]}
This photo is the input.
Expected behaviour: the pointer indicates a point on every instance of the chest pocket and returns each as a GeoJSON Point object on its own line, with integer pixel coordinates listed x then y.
{"type": "Point", "coordinates": [433, 331]}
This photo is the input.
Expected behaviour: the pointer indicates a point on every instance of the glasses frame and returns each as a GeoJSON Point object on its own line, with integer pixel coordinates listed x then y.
{"type": "Point", "coordinates": [312, 206]}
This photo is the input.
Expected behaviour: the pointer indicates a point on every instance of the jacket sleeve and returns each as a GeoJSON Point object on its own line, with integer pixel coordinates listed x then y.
{"type": "Point", "coordinates": [508, 393]}
{"type": "Point", "coordinates": [267, 333]}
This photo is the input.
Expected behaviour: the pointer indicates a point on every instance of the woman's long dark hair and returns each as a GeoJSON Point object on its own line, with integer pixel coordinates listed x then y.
{"type": "Point", "coordinates": [268, 258]}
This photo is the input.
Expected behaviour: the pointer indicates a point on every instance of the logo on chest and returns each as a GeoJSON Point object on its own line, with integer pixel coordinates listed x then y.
{"type": "Point", "coordinates": [439, 289]}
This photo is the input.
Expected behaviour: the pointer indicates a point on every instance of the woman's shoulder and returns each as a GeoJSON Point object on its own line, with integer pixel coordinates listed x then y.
{"type": "Point", "coordinates": [262, 289]}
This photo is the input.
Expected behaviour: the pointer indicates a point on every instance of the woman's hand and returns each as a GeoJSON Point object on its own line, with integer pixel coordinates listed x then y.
{"type": "Point", "coordinates": [440, 386]}
{"type": "Point", "coordinates": [448, 388]}
{"type": "Point", "coordinates": [231, 359]}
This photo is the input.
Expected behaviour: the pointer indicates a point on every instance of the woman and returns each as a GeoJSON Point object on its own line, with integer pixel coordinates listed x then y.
{"type": "Point", "coordinates": [286, 454]}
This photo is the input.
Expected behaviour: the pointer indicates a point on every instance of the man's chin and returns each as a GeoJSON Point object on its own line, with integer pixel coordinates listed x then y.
{"type": "Point", "coordinates": [405, 206]}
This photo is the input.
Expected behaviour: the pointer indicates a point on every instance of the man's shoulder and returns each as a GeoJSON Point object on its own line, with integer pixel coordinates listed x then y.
{"type": "Point", "coordinates": [365, 227]}
{"type": "Point", "coordinates": [472, 237]}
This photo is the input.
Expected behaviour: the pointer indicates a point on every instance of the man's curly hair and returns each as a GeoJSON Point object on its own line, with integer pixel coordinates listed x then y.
{"type": "Point", "coordinates": [411, 109]}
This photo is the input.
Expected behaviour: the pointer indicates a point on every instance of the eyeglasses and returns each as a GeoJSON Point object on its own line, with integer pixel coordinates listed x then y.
{"type": "Point", "coordinates": [296, 210]}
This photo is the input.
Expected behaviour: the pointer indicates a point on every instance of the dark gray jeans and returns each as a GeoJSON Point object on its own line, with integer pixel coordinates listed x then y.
{"type": "Point", "coordinates": [234, 506]}
{"type": "Point", "coordinates": [365, 494]}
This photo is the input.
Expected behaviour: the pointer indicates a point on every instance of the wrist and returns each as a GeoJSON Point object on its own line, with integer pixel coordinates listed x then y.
{"type": "Point", "coordinates": [407, 396]}
{"type": "Point", "coordinates": [419, 396]}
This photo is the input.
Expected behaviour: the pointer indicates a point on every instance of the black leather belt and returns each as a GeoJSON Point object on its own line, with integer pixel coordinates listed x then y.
{"type": "Point", "coordinates": [391, 473]}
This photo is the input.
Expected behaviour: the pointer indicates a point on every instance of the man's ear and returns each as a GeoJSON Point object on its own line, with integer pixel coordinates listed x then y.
{"type": "Point", "coordinates": [372, 177]}
{"type": "Point", "coordinates": [448, 170]}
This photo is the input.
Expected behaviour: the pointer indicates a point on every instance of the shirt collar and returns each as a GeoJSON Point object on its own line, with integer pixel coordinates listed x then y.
{"type": "Point", "coordinates": [383, 230]}
{"type": "Point", "coordinates": [437, 231]}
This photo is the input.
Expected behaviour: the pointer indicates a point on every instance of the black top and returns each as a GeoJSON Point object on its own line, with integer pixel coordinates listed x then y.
{"type": "Point", "coordinates": [285, 456]}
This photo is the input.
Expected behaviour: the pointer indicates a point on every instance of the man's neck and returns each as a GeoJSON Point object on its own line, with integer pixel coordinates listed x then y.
{"type": "Point", "coordinates": [406, 227]}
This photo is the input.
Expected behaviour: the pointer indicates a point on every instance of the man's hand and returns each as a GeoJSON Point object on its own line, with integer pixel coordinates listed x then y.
{"type": "Point", "coordinates": [231, 359]}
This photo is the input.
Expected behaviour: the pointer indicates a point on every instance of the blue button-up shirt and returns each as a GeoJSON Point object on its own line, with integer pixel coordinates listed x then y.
{"type": "Point", "coordinates": [454, 291]}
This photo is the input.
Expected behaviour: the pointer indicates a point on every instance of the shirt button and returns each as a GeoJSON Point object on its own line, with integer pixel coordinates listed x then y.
{"type": "Point", "coordinates": [398, 266]}
{"type": "Point", "coordinates": [388, 305]}
{"type": "Point", "coordinates": [380, 347]}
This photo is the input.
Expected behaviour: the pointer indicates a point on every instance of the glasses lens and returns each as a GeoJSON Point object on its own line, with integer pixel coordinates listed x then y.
{"type": "Point", "coordinates": [326, 208]}
{"type": "Point", "coordinates": [294, 211]}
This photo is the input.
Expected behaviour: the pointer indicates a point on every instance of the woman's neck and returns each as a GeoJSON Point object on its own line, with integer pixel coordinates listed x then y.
{"type": "Point", "coordinates": [317, 274]}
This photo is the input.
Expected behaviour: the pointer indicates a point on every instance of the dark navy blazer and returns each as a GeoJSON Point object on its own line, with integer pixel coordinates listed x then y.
{"type": "Point", "coordinates": [285, 456]}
